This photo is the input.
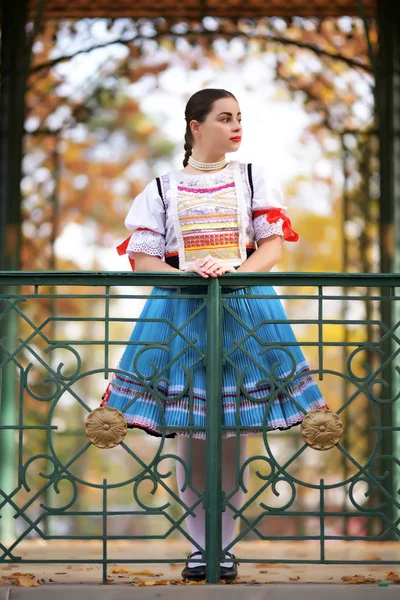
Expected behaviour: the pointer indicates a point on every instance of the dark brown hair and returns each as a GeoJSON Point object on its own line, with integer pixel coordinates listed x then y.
{"type": "Point", "coordinates": [198, 107]}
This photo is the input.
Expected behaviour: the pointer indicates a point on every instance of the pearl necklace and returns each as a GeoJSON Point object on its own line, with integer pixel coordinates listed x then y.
{"type": "Point", "coordinates": [207, 166]}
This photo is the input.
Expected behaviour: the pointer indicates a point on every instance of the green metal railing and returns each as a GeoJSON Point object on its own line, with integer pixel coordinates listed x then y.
{"type": "Point", "coordinates": [59, 333]}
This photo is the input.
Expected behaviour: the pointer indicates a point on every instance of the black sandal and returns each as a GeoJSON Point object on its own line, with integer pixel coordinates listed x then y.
{"type": "Point", "coordinates": [229, 573]}
{"type": "Point", "coordinates": [194, 573]}
{"type": "Point", "coordinates": [199, 572]}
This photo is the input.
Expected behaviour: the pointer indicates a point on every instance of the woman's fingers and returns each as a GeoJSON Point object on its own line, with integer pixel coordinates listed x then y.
{"type": "Point", "coordinates": [195, 268]}
{"type": "Point", "coordinates": [201, 272]}
{"type": "Point", "coordinates": [210, 266]}
{"type": "Point", "coordinates": [202, 261]}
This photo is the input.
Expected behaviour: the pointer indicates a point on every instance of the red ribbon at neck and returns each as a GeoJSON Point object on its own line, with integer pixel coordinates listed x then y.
{"type": "Point", "coordinates": [273, 215]}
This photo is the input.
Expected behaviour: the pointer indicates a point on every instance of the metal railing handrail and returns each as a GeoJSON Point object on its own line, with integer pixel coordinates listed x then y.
{"type": "Point", "coordinates": [147, 278]}
{"type": "Point", "coordinates": [322, 286]}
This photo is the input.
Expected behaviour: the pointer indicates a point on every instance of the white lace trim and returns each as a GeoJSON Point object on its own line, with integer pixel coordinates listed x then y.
{"type": "Point", "coordinates": [263, 229]}
{"type": "Point", "coordinates": [147, 241]}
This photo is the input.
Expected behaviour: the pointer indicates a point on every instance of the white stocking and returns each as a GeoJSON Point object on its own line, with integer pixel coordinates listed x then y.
{"type": "Point", "coordinates": [229, 451]}
{"type": "Point", "coordinates": [196, 525]}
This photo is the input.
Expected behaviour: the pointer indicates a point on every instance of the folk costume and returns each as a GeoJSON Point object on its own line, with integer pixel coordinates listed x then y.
{"type": "Point", "coordinates": [161, 378]}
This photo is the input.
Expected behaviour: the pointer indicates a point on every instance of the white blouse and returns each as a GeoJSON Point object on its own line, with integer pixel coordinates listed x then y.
{"type": "Point", "coordinates": [207, 213]}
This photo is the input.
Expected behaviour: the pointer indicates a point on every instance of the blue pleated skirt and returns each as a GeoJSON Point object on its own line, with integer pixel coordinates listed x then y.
{"type": "Point", "coordinates": [160, 381]}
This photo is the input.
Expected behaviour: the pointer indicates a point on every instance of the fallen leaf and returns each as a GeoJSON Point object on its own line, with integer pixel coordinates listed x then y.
{"type": "Point", "coordinates": [145, 572]}
{"type": "Point", "coordinates": [26, 582]}
{"type": "Point", "coordinates": [60, 573]}
{"type": "Point", "coordinates": [294, 578]}
{"type": "Point", "coordinates": [358, 579]}
{"type": "Point", "coordinates": [68, 567]}
{"type": "Point", "coordinates": [16, 575]}
{"type": "Point", "coordinates": [392, 576]}
{"type": "Point", "coordinates": [121, 570]}
{"type": "Point", "coordinates": [202, 582]}
{"type": "Point", "coordinates": [151, 582]}
{"type": "Point", "coordinates": [263, 571]}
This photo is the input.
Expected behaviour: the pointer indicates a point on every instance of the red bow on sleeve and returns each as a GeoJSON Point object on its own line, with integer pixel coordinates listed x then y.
{"type": "Point", "coordinates": [273, 215]}
{"type": "Point", "coordinates": [121, 249]}
{"type": "Point", "coordinates": [123, 246]}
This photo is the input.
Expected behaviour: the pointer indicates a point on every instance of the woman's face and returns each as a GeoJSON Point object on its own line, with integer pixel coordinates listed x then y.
{"type": "Point", "coordinates": [222, 130]}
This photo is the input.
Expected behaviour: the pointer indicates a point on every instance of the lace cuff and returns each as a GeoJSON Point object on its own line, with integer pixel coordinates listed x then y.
{"type": "Point", "coordinates": [263, 229]}
{"type": "Point", "coordinates": [145, 240]}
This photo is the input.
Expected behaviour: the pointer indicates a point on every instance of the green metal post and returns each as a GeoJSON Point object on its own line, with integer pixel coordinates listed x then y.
{"type": "Point", "coordinates": [14, 54]}
{"type": "Point", "coordinates": [12, 114]}
{"type": "Point", "coordinates": [8, 440]}
{"type": "Point", "coordinates": [213, 433]}
{"type": "Point", "coordinates": [388, 112]}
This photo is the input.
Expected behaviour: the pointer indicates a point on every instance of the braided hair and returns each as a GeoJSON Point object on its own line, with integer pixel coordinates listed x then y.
{"type": "Point", "coordinates": [198, 107]}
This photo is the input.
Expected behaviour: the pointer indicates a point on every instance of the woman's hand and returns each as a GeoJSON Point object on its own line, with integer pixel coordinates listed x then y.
{"type": "Point", "coordinates": [208, 266]}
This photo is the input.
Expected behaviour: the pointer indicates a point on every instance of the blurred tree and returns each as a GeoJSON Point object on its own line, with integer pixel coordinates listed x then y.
{"type": "Point", "coordinates": [90, 148]}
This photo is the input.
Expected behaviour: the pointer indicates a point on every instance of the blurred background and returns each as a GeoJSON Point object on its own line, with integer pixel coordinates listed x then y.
{"type": "Point", "coordinates": [105, 101]}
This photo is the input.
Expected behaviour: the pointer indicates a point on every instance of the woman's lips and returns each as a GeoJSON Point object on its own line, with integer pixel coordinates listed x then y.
{"type": "Point", "coordinates": [236, 139]}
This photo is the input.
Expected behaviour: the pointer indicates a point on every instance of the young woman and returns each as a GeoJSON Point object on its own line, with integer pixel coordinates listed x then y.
{"type": "Point", "coordinates": [211, 218]}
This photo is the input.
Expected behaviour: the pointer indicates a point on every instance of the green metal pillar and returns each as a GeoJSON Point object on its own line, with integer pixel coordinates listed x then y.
{"type": "Point", "coordinates": [388, 113]}
{"type": "Point", "coordinates": [14, 56]}
{"type": "Point", "coordinates": [14, 62]}
{"type": "Point", "coordinates": [213, 433]}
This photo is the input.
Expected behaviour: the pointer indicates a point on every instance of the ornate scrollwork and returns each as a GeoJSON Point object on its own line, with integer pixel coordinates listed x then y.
{"type": "Point", "coordinates": [55, 376]}
{"type": "Point", "coordinates": [321, 429]}
{"type": "Point", "coordinates": [106, 427]}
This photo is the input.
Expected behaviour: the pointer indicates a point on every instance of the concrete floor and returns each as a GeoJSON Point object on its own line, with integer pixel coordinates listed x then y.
{"type": "Point", "coordinates": [278, 591]}
{"type": "Point", "coordinates": [160, 579]}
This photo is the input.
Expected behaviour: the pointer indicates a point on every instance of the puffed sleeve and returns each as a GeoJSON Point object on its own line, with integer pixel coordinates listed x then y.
{"type": "Point", "coordinates": [268, 210]}
{"type": "Point", "coordinates": [146, 219]}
